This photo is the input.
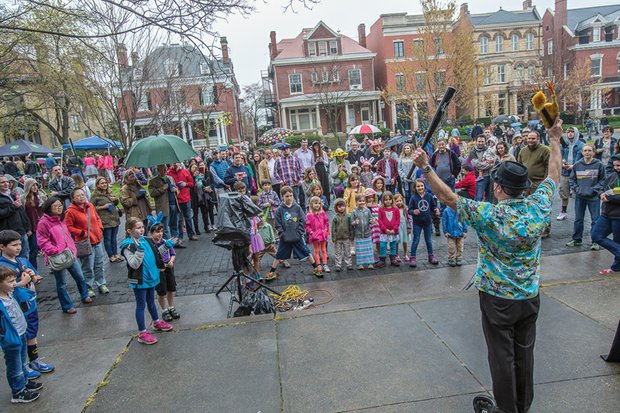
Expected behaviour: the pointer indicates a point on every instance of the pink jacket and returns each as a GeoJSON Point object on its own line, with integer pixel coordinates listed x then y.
{"type": "Point", "coordinates": [317, 227]}
{"type": "Point", "coordinates": [50, 236]}
{"type": "Point", "coordinates": [89, 161]}
{"type": "Point", "coordinates": [108, 162]}
{"type": "Point", "coordinates": [385, 224]}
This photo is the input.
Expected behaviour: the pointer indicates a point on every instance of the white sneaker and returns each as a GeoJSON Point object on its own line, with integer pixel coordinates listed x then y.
{"type": "Point", "coordinates": [595, 247]}
{"type": "Point", "coordinates": [326, 268]}
{"type": "Point", "coordinates": [562, 216]}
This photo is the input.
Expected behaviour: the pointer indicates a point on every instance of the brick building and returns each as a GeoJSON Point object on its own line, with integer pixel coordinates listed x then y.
{"type": "Point", "coordinates": [176, 90]}
{"type": "Point", "coordinates": [590, 34]}
{"type": "Point", "coordinates": [508, 44]}
{"type": "Point", "coordinates": [398, 72]}
{"type": "Point", "coordinates": [322, 81]}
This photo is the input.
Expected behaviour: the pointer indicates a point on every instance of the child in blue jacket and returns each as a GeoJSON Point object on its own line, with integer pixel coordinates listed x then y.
{"type": "Point", "coordinates": [422, 207]}
{"type": "Point", "coordinates": [455, 232]}
{"type": "Point", "coordinates": [16, 303]}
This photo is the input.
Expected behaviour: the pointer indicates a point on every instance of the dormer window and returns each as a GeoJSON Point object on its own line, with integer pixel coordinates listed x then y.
{"type": "Point", "coordinates": [596, 34]}
{"type": "Point", "coordinates": [333, 47]}
{"type": "Point", "coordinates": [311, 48]}
{"type": "Point", "coordinates": [204, 68]}
{"type": "Point", "coordinates": [322, 48]}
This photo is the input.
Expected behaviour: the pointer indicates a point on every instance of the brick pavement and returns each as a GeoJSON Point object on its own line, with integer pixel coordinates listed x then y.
{"type": "Point", "coordinates": [203, 267]}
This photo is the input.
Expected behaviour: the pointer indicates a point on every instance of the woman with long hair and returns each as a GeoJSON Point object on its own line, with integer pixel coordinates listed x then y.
{"type": "Point", "coordinates": [105, 204]}
{"type": "Point", "coordinates": [33, 200]}
{"type": "Point", "coordinates": [80, 184]}
{"type": "Point", "coordinates": [405, 164]}
{"type": "Point", "coordinates": [321, 165]}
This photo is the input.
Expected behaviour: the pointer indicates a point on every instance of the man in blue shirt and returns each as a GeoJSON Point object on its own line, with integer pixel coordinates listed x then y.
{"type": "Point", "coordinates": [508, 269]}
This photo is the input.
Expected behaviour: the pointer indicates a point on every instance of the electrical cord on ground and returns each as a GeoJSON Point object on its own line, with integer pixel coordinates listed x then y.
{"type": "Point", "coordinates": [293, 298]}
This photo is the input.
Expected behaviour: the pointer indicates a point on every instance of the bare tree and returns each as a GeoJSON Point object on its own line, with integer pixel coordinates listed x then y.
{"type": "Point", "coordinates": [253, 105]}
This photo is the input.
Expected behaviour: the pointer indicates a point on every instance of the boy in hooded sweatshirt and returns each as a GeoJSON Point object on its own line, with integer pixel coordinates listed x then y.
{"type": "Point", "coordinates": [586, 182]}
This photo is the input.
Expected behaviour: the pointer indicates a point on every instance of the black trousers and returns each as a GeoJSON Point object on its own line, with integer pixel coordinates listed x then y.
{"type": "Point", "coordinates": [207, 216]}
{"type": "Point", "coordinates": [510, 332]}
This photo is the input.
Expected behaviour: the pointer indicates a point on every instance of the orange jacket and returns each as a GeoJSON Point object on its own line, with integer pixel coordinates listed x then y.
{"type": "Point", "coordinates": [77, 222]}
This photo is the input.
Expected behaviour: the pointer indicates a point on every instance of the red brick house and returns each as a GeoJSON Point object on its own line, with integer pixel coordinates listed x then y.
{"type": "Point", "coordinates": [176, 90]}
{"type": "Point", "coordinates": [393, 38]}
{"type": "Point", "coordinates": [590, 34]}
{"type": "Point", "coordinates": [323, 82]}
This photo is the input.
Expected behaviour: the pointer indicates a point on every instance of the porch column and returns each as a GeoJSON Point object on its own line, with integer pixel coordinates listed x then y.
{"type": "Point", "coordinates": [189, 132]}
{"type": "Point", "coordinates": [393, 125]}
{"type": "Point", "coordinates": [318, 128]}
{"type": "Point", "coordinates": [346, 116]}
{"type": "Point", "coordinates": [416, 117]}
{"type": "Point", "coordinates": [183, 130]}
{"type": "Point", "coordinates": [283, 120]}
{"type": "Point", "coordinates": [223, 134]}
{"type": "Point", "coordinates": [379, 114]}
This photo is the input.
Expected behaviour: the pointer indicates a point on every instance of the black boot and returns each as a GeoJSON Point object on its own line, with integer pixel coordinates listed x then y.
{"type": "Point", "coordinates": [483, 403]}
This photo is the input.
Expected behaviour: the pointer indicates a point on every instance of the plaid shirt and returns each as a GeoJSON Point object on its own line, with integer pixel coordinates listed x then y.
{"type": "Point", "coordinates": [269, 197]}
{"type": "Point", "coordinates": [288, 170]}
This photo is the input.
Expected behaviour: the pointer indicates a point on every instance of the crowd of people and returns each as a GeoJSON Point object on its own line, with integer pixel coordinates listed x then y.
{"type": "Point", "coordinates": [371, 201]}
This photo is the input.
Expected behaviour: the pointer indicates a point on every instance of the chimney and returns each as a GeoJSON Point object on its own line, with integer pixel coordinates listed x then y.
{"type": "Point", "coordinates": [224, 44]}
{"type": "Point", "coordinates": [361, 34]}
{"type": "Point", "coordinates": [121, 55]}
{"type": "Point", "coordinates": [273, 47]}
{"type": "Point", "coordinates": [135, 58]}
{"type": "Point", "coordinates": [464, 10]}
{"type": "Point", "coordinates": [560, 14]}
{"type": "Point", "coordinates": [527, 4]}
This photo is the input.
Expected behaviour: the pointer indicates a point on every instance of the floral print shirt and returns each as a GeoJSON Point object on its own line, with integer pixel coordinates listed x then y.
{"type": "Point", "coordinates": [509, 236]}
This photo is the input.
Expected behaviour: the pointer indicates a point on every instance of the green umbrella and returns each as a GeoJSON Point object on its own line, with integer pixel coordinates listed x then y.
{"type": "Point", "coordinates": [157, 150]}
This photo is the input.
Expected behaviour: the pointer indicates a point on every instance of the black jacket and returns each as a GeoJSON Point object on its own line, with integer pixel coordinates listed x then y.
{"type": "Point", "coordinates": [611, 209]}
{"type": "Point", "coordinates": [12, 217]}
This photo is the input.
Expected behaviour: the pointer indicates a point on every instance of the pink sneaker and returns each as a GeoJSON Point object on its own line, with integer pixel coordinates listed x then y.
{"type": "Point", "coordinates": [161, 325]}
{"type": "Point", "coordinates": [146, 338]}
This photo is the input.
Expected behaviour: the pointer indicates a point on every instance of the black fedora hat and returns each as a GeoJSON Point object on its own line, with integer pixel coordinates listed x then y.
{"type": "Point", "coordinates": [512, 175]}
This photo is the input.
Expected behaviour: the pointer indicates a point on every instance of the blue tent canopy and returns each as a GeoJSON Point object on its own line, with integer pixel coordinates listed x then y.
{"type": "Point", "coordinates": [93, 143]}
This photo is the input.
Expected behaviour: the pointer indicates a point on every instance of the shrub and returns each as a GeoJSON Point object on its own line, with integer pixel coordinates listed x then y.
{"type": "Point", "coordinates": [568, 118]}
{"type": "Point", "coordinates": [295, 140]}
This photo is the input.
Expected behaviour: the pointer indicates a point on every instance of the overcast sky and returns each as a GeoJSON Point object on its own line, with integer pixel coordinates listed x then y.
{"type": "Point", "coordinates": [248, 37]}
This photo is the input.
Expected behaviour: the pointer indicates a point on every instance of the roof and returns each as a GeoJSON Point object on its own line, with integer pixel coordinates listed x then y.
{"type": "Point", "coordinates": [294, 48]}
{"type": "Point", "coordinates": [188, 56]}
{"type": "Point", "coordinates": [504, 16]}
{"type": "Point", "coordinates": [576, 19]}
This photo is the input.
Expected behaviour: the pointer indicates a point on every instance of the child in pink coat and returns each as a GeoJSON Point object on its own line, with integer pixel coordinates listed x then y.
{"type": "Point", "coordinates": [317, 227]}
{"type": "Point", "coordinates": [389, 221]}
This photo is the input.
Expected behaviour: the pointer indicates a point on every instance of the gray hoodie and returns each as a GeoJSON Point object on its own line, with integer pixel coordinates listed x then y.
{"type": "Point", "coordinates": [586, 179]}
{"type": "Point", "coordinates": [476, 156]}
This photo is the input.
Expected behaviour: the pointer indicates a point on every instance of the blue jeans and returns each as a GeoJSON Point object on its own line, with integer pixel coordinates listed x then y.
{"type": "Point", "coordinates": [594, 206]}
{"type": "Point", "coordinates": [61, 286]}
{"type": "Point", "coordinates": [25, 252]}
{"type": "Point", "coordinates": [173, 221]}
{"type": "Point", "coordinates": [15, 361]}
{"type": "Point", "coordinates": [110, 236]}
{"type": "Point", "coordinates": [383, 248]}
{"type": "Point", "coordinates": [186, 209]}
{"type": "Point", "coordinates": [92, 267]}
{"type": "Point", "coordinates": [428, 232]}
{"type": "Point", "coordinates": [33, 247]}
{"type": "Point", "coordinates": [603, 227]}
{"type": "Point", "coordinates": [165, 223]}
{"type": "Point", "coordinates": [145, 297]}
{"type": "Point", "coordinates": [483, 189]}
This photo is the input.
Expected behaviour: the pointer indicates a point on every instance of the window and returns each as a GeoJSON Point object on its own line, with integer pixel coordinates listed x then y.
{"type": "Point", "coordinates": [175, 98]}
{"type": "Point", "coordinates": [206, 96]}
{"type": "Point", "coordinates": [294, 83]}
{"type": "Point", "coordinates": [400, 82]}
{"type": "Point", "coordinates": [550, 72]}
{"type": "Point", "coordinates": [351, 120]}
{"type": "Point", "coordinates": [484, 45]}
{"type": "Point", "coordinates": [325, 76]}
{"type": "Point", "coordinates": [75, 123]}
{"type": "Point", "coordinates": [333, 47]}
{"type": "Point", "coordinates": [322, 48]}
{"type": "Point", "coordinates": [515, 42]}
{"type": "Point", "coordinates": [171, 68]}
{"type": "Point", "coordinates": [529, 41]}
{"type": "Point", "coordinates": [439, 79]}
{"type": "Point", "coordinates": [439, 46]}
{"type": "Point", "coordinates": [487, 76]}
{"type": "Point", "coordinates": [311, 48]}
{"type": "Point", "coordinates": [501, 73]}
{"type": "Point", "coordinates": [418, 44]}
{"type": "Point", "coordinates": [502, 101]}
{"type": "Point", "coordinates": [595, 68]}
{"type": "Point", "coordinates": [303, 119]}
{"type": "Point", "coordinates": [314, 77]}
{"type": "Point", "coordinates": [566, 69]}
{"type": "Point", "coordinates": [204, 68]}
{"type": "Point", "coordinates": [531, 71]}
{"type": "Point", "coordinates": [618, 61]}
{"type": "Point", "coordinates": [399, 48]}
{"type": "Point", "coordinates": [335, 75]}
{"type": "Point", "coordinates": [520, 72]}
{"type": "Point", "coordinates": [355, 78]}
{"type": "Point", "coordinates": [420, 81]}
{"type": "Point", "coordinates": [365, 111]}
{"type": "Point", "coordinates": [137, 73]}
{"type": "Point", "coordinates": [499, 43]}
{"type": "Point", "coordinates": [550, 47]}
{"type": "Point", "coordinates": [596, 34]}
{"type": "Point", "coordinates": [145, 102]}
